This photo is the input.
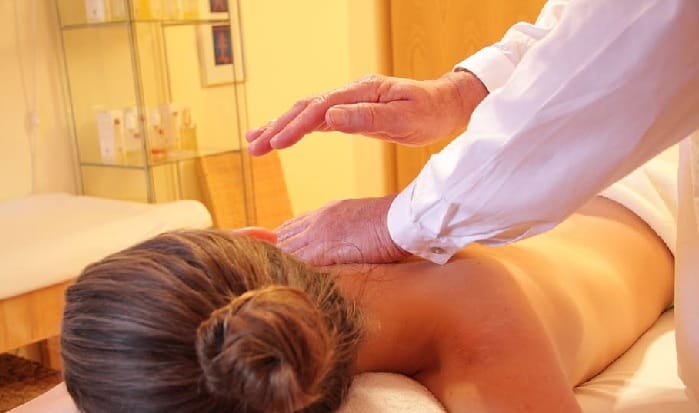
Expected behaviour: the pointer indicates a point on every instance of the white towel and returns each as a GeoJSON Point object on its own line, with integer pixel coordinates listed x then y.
{"type": "Point", "coordinates": [651, 193]}
{"type": "Point", "coordinates": [389, 393]}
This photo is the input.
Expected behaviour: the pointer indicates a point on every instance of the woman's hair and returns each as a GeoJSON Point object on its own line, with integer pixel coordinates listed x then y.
{"type": "Point", "coordinates": [207, 321]}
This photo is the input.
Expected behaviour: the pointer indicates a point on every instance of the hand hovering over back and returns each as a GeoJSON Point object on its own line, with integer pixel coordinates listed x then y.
{"type": "Point", "coordinates": [404, 111]}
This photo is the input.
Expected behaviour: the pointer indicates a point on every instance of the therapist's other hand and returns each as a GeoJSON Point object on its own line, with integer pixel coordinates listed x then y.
{"type": "Point", "coordinates": [348, 231]}
{"type": "Point", "coordinates": [404, 111]}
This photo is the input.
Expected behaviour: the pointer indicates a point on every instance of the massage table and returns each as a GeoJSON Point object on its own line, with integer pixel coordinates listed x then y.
{"type": "Point", "coordinates": [47, 239]}
{"type": "Point", "coordinates": [643, 380]}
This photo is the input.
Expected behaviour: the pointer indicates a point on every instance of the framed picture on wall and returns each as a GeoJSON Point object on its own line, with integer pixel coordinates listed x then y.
{"type": "Point", "coordinates": [216, 9]}
{"type": "Point", "coordinates": [220, 48]}
{"type": "Point", "coordinates": [216, 6]}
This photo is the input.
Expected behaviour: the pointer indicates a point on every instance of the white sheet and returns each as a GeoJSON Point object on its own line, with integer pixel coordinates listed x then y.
{"type": "Point", "coordinates": [46, 239]}
{"type": "Point", "coordinates": [643, 380]}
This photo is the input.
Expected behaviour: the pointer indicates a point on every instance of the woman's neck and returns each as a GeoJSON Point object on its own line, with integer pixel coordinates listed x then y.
{"type": "Point", "coordinates": [399, 327]}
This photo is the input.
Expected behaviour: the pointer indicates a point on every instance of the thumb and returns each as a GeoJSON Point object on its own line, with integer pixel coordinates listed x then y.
{"type": "Point", "coordinates": [360, 118]}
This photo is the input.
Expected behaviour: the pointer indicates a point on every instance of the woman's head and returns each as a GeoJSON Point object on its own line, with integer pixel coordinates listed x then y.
{"type": "Point", "coordinates": [206, 321]}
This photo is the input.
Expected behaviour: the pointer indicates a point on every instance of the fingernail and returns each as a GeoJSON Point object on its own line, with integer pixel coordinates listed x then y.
{"type": "Point", "coordinates": [337, 117]}
{"type": "Point", "coordinates": [273, 142]}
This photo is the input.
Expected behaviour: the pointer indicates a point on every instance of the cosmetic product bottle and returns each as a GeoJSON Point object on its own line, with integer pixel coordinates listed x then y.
{"type": "Point", "coordinates": [95, 11]}
{"type": "Point", "coordinates": [110, 132]}
{"type": "Point", "coordinates": [172, 10]}
{"type": "Point", "coordinates": [170, 118]}
{"type": "Point", "coordinates": [148, 9]}
{"type": "Point", "coordinates": [188, 133]}
{"type": "Point", "coordinates": [156, 137]}
{"type": "Point", "coordinates": [117, 10]}
{"type": "Point", "coordinates": [190, 9]}
{"type": "Point", "coordinates": [133, 140]}
{"type": "Point", "coordinates": [105, 135]}
{"type": "Point", "coordinates": [118, 125]}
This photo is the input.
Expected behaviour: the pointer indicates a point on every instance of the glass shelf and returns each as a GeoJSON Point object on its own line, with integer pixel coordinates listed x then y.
{"type": "Point", "coordinates": [187, 22]}
{"type": "Point", "coordinates": [80, 13]}
{"type": "Point", "coordinates": [177, 156]}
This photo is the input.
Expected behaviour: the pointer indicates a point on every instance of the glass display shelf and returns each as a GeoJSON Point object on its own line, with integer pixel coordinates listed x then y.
{"type": "Point", "coordinates": [174, 158]}
{"type": "Point", "coordinates": [189, 22]}
{"type": "Point", "coordinates": [88, 12]}
{"type": "Point", "coordinates": [153, 86]}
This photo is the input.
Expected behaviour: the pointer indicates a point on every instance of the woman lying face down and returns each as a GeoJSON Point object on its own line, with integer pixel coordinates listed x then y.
{"type": "Point", "coordinates": [210, 321]}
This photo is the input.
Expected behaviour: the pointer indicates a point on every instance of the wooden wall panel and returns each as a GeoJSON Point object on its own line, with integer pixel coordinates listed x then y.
{"type": "Point", "coordinates": [429, 37]}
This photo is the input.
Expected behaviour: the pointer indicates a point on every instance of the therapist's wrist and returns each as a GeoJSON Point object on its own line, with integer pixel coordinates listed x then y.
{"type": "Point", "coordinates": [467, 89]}
{"type": "Point", "coordinates": [392, 249]}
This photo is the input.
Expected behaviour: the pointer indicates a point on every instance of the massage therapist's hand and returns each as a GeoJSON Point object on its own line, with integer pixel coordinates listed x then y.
{"type": "Point", "coordinates": [405, 111]}
{"type": "Point", "coordinates": [349, 231]}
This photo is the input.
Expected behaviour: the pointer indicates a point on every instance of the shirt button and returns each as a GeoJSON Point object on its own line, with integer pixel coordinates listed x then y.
{"type": "Point", "coordinates": [437, 250]}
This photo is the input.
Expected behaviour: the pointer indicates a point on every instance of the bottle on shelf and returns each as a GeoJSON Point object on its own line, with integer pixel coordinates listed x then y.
{"type": "Point", "coordinates": [156, 136]}
{"type": "Point", "coordinates": [172, 10]}
{"type": "Point", "coordinates": [96, 11]}
{"type": "Point", "coordinates": [148, 9]}
{"type": "Point", "coordinates": [110, 132]}
{"type": "Point", "coordinates": [133, 140]}
{"type": "Point", "coordinates": [118, 10]}
{"type": "Point", "coordinates": [188, 132]}
{"type": "Point", "coordinates": [190, 9]}
{"type": "Point", "coordinates": [170, 119]}
{"type": "Point", "coordinates": [99, 11]}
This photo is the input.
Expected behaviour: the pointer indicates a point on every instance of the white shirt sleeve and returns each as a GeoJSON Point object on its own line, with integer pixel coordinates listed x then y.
{"type": "Point", "coordinates": [494, 64]}
{"type": "Point", "coordinates": [613, 84]}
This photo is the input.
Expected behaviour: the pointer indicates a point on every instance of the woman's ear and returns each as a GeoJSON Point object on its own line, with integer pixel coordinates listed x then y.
{"type": "Point", "coordinates": [260, 233]}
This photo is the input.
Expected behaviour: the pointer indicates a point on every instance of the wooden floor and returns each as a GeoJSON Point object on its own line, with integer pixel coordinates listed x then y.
{"type": "Point", "coordinates": [21, 380]}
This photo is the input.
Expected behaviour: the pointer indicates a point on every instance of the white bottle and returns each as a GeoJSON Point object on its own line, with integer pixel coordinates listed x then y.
{"type": "Point", "coordinates": [156, 138]}
{"type": "Point", "coordinates": [117, 10]}
{"type": "Point", "coordinates": [110, 132]}
{"type": "Point", "coordinates": [188, 133]}
{"type": "Point", "coordinates": [170, 118]}
{"type": "Point", "coordinates": [133, 139]}
{"type": "Point", "coordinates": [95, 11]}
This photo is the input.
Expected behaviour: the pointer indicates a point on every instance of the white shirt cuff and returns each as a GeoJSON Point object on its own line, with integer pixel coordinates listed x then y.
{"type": "Point", "coordinates": [490, 65]}
{"type": "Point", "coordinates": [408, 234]}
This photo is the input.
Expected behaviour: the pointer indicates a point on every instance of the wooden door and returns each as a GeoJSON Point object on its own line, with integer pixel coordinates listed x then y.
{"type": "Point", "coordinates": [429, 37]}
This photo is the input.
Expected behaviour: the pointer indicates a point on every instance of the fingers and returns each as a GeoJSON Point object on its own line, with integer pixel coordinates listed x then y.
{"type": "Point", "coordinates": [375, 119]}
{"type": "Point", "coordinates": [258, 233]}
{"type": "Point", "coordinates": [260, 139]}
{"type": "Point", "coordinates": [308, 116]}
{"type": "Point", "coordinates": [291, 227]}
{"type": "Point", "coordinates": [308, 120]}
{"type": "Point", "coordinates": [322, 253]}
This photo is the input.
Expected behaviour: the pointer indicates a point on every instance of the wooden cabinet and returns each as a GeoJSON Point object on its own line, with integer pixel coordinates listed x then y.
{"type": "Point", "coordinates": [429, 37]}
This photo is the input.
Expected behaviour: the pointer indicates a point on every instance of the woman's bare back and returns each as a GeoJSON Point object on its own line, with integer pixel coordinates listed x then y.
{"type": "Point", "coordinates": [515, 328]}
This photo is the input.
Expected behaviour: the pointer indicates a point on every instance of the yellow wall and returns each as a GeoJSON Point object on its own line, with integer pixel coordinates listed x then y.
{"type": "Point", "coordinates": [294, 49]}
{"type": "Point", "coordinates": [19, 46]}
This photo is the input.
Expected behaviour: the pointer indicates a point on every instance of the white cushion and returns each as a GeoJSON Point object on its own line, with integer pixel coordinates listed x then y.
{"type": "Point", "coordinates": [47, 239]}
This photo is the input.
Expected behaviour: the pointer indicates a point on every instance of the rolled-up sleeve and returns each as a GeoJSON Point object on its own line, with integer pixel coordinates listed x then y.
{"type": "Point", "coordinates": [494, 64]}
{"type": "Point", "coordinates": [610, 86]}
